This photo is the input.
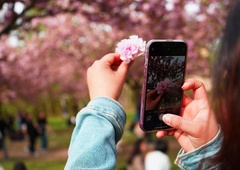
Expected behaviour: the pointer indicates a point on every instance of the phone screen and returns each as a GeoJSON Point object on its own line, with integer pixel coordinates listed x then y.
{"type": "Point", "coordinates": [164, 76]}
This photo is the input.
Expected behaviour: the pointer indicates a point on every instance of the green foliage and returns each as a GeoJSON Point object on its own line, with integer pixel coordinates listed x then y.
{"type": "Point", "coordinates": [57, 123]}
{"type": "Point", "coordinates": [36, 164]}
{"type": "Point", "coordinates": [35, 12]}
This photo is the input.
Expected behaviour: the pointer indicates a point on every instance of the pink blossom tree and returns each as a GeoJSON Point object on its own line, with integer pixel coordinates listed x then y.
{"type": "Point", "coordinates": [58, 40]}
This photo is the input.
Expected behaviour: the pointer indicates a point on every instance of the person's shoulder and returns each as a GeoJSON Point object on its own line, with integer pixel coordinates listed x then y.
{"type": "Point", "coordinates": [157, 153]}
{"type": "Point", "coordinates": [157, 160]}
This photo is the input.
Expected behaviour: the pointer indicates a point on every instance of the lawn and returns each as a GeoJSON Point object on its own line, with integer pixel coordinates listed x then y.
{"type": "Point", "coordinates": [59, 134]}
{"type": "Point", "coordinates": [55, 158]}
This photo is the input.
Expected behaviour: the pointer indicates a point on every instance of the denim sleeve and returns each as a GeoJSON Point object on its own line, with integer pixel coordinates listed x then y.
{"type": "Point", "coordinates": [99, 126]}
{"type": "Point", "coordinates": [200, 158]}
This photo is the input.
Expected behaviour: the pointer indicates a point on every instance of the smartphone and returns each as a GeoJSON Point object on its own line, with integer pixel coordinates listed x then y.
{"type": "Point", "coordinates": [164, 72]}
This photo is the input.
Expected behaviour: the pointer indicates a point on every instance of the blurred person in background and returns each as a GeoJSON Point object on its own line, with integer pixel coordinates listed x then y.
{"type": "Point", "coordinates": [19, 166]}
{"type": "Point", "coordinates": [42, 125]}
{"type": "Point", "coordinates": [32, 134]}
{"type": "Point", "coordinates": [149, 154]}
{"type": "Point", "coordinates": [3, 130]}
{"type": "Point", "coordinates": [156, 157]}
{"type": "Point", "coordinates": [136, 159]}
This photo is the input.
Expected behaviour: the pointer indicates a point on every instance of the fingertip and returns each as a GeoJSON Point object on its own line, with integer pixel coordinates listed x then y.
{"type": "Point", "coordinates": [131, 62]}
{"type": "Point", "coordinates": [186, 85]}
{"type": "Point", "coordinates": [166, 118]}
{"type": "Point", "coordinates": [124, 66]}
{"type": "Point", "coordinates": [160, 134]}
{"type": "Point", "coordinates": [111, 57]}
{"type": "Point", "coordinates": [174, 121]}
{"type": "Point", "coordinates": [117, 56]}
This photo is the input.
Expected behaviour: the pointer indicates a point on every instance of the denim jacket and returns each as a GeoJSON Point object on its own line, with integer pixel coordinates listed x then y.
{"type": "Point", "coordinates": [99, 126]}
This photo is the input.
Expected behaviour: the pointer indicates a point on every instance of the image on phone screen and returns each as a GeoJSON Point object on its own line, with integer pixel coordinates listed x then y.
{"type": "Point", "coordinates": [165, 76]}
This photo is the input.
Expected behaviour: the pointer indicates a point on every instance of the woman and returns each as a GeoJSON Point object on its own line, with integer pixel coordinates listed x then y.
{"type": "Point", "coordinates": [200, 140]}
{"type": "Point", "coordinates": [205, 144]}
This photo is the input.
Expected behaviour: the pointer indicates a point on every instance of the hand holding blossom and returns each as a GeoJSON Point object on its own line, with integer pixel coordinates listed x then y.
{"type": "Point", "coordinates": [111, 72]}
{"type": "Point", "coordinates": [153, 99]}
{"type": "Point", "coordinates": [131, 48]}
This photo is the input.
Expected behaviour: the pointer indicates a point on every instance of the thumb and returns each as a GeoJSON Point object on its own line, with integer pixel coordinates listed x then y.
{"type": "Point", "coordinates": [180, 123]}
{"type": "Point", "coordinates": [123, 68]}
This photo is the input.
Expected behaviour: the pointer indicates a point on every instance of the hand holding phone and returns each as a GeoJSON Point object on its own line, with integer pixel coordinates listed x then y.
{"type": "Point", "coordinates": [164, 73]}
{"type": "Point", "coordinates": [198, 122]}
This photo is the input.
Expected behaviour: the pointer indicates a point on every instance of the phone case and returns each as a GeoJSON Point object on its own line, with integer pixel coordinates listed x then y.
{"type": "Point", "coordinates": [161, 90]}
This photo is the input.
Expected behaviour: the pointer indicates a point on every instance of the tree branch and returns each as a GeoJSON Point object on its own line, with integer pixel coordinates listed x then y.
{"type": "Point", "coordinates": [12, 24]}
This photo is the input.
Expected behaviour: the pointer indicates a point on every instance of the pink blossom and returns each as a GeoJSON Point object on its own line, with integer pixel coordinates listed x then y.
{"type": "Point", "coordinates": [163, 85]}
{"type": "Point", "coordinates": [131, 48]}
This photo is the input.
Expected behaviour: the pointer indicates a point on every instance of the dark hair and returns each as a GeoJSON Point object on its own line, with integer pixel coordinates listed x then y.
{"type": "Point", "coordinates": [136, 150]}
{"type": "Point", "coordinates": [162, 145]}
{"type": "Point", "coordinates": [19, 166]}
{"type": "Point", "coordinates": [226, 89]}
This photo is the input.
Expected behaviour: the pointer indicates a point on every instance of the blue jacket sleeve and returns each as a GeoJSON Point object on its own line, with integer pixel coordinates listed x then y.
{"type": "Point", "coordinates": [99, 126]}
{"type": "Point", "coordinates": [201, 158]}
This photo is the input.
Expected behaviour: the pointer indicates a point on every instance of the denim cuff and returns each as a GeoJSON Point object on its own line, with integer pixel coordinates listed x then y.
{"type": "Point", "coordinates": [112, 111]}
{"type": "Point", "coordinates": [201, 157]}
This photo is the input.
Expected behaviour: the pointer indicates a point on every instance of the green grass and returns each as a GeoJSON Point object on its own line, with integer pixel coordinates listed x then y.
{"type": "Point", "coordinates": [59, 135]}
{"type": "Point", "coordinates": [57, 123]}
{"type": "Point", "coordinates": [35, 164]}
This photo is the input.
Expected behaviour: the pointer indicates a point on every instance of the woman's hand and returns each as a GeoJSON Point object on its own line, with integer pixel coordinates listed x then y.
{"type": "Point", "coordinates": [197, 124]}
{"type": "Point", "coordinates": [152, 100]}
{"type": "Point", "coordinates": [106, 76]}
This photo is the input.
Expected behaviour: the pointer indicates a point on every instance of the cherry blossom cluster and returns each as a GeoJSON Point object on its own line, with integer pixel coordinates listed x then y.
{"type": "Point", "coordinates": [163, 85]}
{"type": "Point", "coordinates": [131, 48]}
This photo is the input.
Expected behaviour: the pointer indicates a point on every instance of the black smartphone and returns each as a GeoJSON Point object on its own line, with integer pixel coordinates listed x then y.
{"type": "Point", "coordinates": [164, 72]}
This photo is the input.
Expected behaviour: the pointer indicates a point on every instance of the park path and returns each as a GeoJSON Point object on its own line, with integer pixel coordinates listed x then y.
{"type": "Point", "coordinates": [18, 150]}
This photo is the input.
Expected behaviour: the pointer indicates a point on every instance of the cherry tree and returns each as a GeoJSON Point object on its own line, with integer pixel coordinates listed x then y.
{"type": "Point", "coordinates": [58, 40]}
{"type": "Point", "coordinates": [53, 59]}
